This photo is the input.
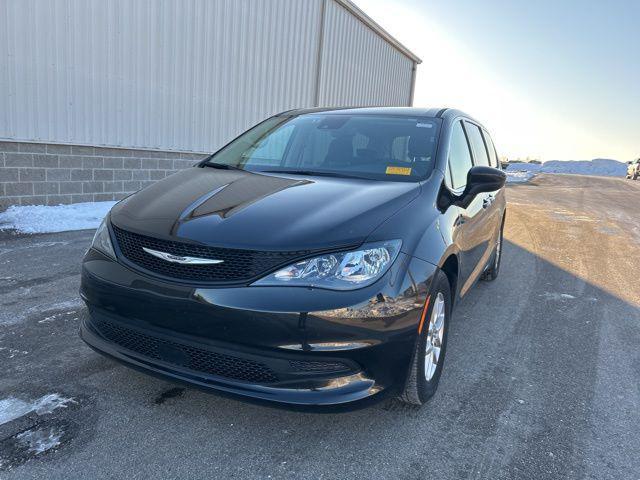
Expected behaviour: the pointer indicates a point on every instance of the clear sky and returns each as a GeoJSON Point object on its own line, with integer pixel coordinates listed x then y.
{"type": "Point", "coordinates": [550, 79]}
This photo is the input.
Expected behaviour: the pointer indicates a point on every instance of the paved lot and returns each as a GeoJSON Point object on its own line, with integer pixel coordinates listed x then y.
{"type": "Point", "coordinates": [542, 377]}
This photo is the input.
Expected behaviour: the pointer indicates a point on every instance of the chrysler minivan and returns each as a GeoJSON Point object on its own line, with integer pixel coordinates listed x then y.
{"type": "Point", "coordinates": [314, 260]}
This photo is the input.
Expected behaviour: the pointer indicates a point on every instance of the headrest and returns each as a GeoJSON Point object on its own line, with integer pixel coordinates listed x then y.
{"type": "Point", "coordinates": [420, 145]}
{"type": "Point", "coordinates": [340, 151]}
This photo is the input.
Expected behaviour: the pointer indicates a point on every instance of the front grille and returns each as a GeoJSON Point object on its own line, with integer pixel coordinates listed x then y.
{"type": "Point", "coordinates": [192, 358]}
{"type": "Point", "coordinates": [238, 265]}
{"type": "Point", "coordinates": [312, 366]}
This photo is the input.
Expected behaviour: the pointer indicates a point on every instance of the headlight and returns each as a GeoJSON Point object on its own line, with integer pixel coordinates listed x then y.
{"type": "Point", "coordinates": [338, 271]}
{"type": "Point", "coordinates": [102, 240]}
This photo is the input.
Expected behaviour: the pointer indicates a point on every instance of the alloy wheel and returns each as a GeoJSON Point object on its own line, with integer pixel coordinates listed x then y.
{"type": "Point", "coordinates": [435, 334]}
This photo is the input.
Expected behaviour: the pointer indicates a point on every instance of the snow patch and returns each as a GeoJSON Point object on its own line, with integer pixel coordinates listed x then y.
{"type": "Point", "coordinates": [13, 352]}
{"type": "Point", "coordinates": [519, 177]}
{"type": "Point", "coordinates": [57, 218]}
{"type": "Point", "coordinates": [557, 296]}
{"type": "Point", "coordinates": [12, 318]}
{"type": "Point", "coordinates": [522, 172]}
{"type": "Point", "coordinates": [40, 440]}
{"type": "Point", "coordinates": [68, 305]}
{"type": "Point", "coordinates": [12, 408]}
{"type": "Point", "coordinates": [57, 316]}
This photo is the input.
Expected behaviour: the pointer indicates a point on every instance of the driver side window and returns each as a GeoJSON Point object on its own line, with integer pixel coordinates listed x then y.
{"type": "Point", "coordinates": [459, 157]}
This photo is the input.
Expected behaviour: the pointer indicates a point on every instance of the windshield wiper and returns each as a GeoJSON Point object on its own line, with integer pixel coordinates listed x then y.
{"type": "Point", "coordinates": [220, 166]}
{"type": "Point", "coordinates": [311, 172]}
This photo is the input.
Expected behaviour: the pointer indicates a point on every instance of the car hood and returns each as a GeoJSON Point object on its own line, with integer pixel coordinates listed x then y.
{"type": "Point", "coordinates": [239, 209]}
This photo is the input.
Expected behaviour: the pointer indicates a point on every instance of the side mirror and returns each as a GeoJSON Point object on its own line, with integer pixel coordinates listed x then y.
{"type": "Point", "coordinates": [479, 179]}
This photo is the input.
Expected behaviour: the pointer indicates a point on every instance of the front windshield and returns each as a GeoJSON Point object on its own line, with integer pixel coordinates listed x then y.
{"type": "Point", "coordinates": [377, 147]}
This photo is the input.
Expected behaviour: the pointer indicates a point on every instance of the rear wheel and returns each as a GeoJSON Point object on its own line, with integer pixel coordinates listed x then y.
{"type": "Point", "coordinates": [428, 356]}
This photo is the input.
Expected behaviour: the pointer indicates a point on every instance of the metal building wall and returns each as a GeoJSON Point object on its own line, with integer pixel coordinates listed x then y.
{"type": "Point", "coordinates": [172, 75]}
{"type": "Point", "coordinates": [182, 75]}
{"type": "Point", "coordinates": [358, 66]}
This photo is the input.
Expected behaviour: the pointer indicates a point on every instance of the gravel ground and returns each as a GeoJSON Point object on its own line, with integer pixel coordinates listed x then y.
{"type": "Point", "coordinates": [542, 378]}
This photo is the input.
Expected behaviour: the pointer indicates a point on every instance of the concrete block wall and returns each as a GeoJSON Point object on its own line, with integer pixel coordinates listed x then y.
{"type": "Point", "coordinates": [50, 174]}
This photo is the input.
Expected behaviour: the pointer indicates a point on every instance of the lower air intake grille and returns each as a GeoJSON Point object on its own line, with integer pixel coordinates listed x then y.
{"type": "Point", "coordinates": [192, 358]}
{"type": "Point", "coordinates": [237, 266]}
{"type": "Point", "coordinates": [317, 367]}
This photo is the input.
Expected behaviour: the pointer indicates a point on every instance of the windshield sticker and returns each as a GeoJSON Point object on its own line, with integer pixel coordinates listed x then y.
{"type": "Point", "coordinates": [398, 171]}
{"type": "Point", "coordinates": [424, 125]}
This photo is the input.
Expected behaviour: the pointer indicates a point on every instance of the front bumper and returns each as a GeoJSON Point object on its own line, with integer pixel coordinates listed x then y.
{"type": "Point", "coordinates": [297, 346]}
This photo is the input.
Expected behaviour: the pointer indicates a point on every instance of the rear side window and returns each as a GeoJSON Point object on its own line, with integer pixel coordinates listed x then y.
{"type": "Point", "coordinates": [493, 157]}
{"type": "Point", "coordinates": [477, 144]}
{"type": "Point", "coordinates": [459, 157]}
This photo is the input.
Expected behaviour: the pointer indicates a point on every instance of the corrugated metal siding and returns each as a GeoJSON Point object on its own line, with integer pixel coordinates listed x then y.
{"type": "Point", "coordinates": [172, 75]}
{"type": "Point", "coordinates": [358, 67]}
{"type": "Point", "coordinates": [184, 75]}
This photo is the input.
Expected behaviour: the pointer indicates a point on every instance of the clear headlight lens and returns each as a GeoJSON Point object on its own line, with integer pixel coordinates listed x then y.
{"type": "Point", "coordinates": [102, 240]}
{"type": "Point", "coordinates": [339, 271]}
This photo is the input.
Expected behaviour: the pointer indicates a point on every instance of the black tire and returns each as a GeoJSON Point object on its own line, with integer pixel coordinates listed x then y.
{"type": "Point", "coordinates": [491, 273]}
{"type": "Point", "coordinates": [418, 390]}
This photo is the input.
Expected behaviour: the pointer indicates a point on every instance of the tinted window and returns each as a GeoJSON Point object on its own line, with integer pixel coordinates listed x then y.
{"type": "Point", "coordinates": [459, 157]}
{"type": "Point", "coordinates": [377, 147]}
{"type": "Point", "coordinates": [316, 149]}
{"type": "Point", "coordinates": [493, 157]}
{"type": "Point", "coordinates": [477, 144]}
{"type": "Point", "coordinates": [270, 150]}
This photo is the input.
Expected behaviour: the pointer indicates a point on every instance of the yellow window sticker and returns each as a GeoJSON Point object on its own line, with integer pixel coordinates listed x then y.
{"type": "Point", "coordinates": [398, 171]}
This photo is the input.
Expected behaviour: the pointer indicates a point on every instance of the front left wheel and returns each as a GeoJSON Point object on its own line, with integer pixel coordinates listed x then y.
{"type": "Point", "coordinates": [428, 356]}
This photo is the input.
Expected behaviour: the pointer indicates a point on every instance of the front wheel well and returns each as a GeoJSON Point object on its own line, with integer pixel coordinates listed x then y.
{"type": "Point", "coordinates": [450, 267]}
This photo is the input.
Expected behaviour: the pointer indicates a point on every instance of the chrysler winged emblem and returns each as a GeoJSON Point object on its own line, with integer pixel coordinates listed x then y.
{"type": "Point", "coordinates": [170, 257]}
